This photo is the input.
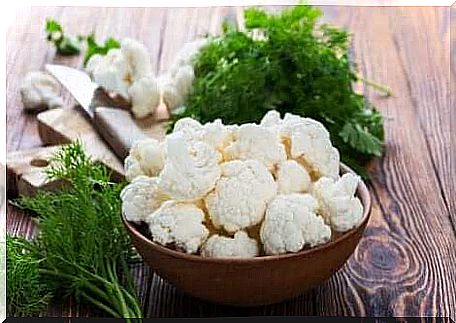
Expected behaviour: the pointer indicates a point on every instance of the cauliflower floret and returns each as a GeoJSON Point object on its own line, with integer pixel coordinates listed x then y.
{"type": "Point", "coordinates": [291, 223]}
{"type": "Point", "coordinates": [112, 72]}
{"type": "Point", "coordinates": [252, 141]}
{"type": "Point", "coordinates": [271, 119]}
{"type": "Point", "coordinates": [145, 96]}
{"type": "Point", "coordinates": [213, 133]}
{"type": "Point", "coordinates": [241, 195]}
{"type": "Point", "coordinates": [177, 84]}
{"type": "Point", "coordinates": [310, 143]}
{"type": "Point", "coordinates": [240, 246]}
{"type": "Point", "coordinates": [40, 91]}
{"type": "Point", "coordinates": [138, 58]}
{"type": "Point", "coordinates": [140, 198]}
{"type": "Point", "coordinates": [291, 177]}
{"type": "Point", "coordinates": [191, 168]}
{"type": "Point", "coordinates": [338, 205]}
{"type": "Point", "coordinates": [180, 224]}
{"type": "Point", "coordinates": [146, 157]}
{"type": "Point", "coordinates": [188, 52]}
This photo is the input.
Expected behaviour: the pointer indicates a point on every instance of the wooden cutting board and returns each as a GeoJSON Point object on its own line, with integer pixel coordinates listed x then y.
{"type": "Point", "coordinates": [56, 127]}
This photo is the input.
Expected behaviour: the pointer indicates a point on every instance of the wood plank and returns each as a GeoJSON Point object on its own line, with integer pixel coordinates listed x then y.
{"type": "Point", "coordinates": [402, 267]}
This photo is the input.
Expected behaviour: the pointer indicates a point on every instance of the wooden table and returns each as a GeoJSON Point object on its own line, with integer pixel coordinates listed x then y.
{"type": "Point", "coordinates": [406, 263]}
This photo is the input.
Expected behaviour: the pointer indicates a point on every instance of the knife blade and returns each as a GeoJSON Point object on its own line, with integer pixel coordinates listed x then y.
{"type": "Point", "coordinates": [116, 126]}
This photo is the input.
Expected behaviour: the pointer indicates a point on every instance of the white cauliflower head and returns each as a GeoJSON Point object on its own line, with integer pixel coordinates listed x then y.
{"type": "Point", "coordinates": [188, 52]}
{"type": "Point", "coordinates": [310, 143]}
{"type": "Point", "coordinates": [146, 157]}
{"type": "Point", "coordinates": [213, 133]}
{"type": "Point", "coordinates": [291, 223]}
{"type": "Point", "coordinates": [179, 224]}
{"type": "Point", "coordinates": [111, 71]}
{"type": "Point", "coordinates": [40, 91]}
{"type": "Point", "coordinates": [338, 204]}
{"type": "Point", "coordinates": [241, 195]}
{"type": "Point", "coordinates": [271, 119]}
{"type": "Point", "coordinates": [252, 141]}
{"type": "Point", "coordinates": [191, 168]}
{"type": "Point", "coordinates": [140, 198]}
{"type": "Point", "coordinates": [240, 246]}
{"type": "Point", "coordinates": [145, 96]}
{"type": "Point", "coordinates": [291, 177]}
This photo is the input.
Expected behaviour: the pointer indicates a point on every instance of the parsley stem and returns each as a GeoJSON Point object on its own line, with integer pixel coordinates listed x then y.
{"type": "Point", "coordinates": [379, 87]}
{"type": "Point", "coordinates": [102, 306]}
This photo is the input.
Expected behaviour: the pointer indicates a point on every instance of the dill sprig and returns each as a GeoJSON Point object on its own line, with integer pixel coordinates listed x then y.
{"type": "Point", "coordinates": [290, 63]}
{"type": "Point", "coordinates": [26, 293]}
{"type": "Point", "coordinates": [82, 246]}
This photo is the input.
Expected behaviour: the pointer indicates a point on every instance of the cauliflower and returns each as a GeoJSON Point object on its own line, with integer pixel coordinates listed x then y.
{"type": "Point", "coordinates": [177, 84]}
{"type": "Point", "coordinates": [179, 224]}
{"type": "Point", "coordinates": [145, 96]}
{"type": "Point", "coordinates": [240, 246]}
{"type": "Point", "coordinates": [271, 119]}
{"type": "Point", "coordinates": [191, 168]}
{"type": "Point", "coordinates": [241, 195]}
{"type": "Point", "coordinates": [213, 133]}
{"type": "Point", "coordinates": [338, 205]}
{"type": "Point", "coordinates": [40, 91]}
{"type": "Point", "coordinates": [127, 71]}
{"type": "Point", "coordinates": [146, 157]}
{"type": "Point", "coordinates": [140, 198]}
{"type": "Point", "coordinates": [252, 141]}
{"type": "Point", "coordinates": [291, 223]}
{"type": "Point", "coordinates": [112, 72]}
{"type": "Point", "coordinates": [291, 177]}
{"type": "Point", "coordinates": [311, 144]}
{"type": "Point", "coordinates": [137, 57]}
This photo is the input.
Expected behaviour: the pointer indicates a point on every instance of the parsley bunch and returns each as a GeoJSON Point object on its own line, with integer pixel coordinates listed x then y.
{"type": "Point", "coordinates": [82, 249]}
{"type": "Point", "coordinates": [295, 66]}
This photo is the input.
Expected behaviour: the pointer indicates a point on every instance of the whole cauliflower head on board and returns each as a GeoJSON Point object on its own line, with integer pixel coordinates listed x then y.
{"type": "Point", "coordinates": [180, 224]}
{"type": "Point", "coordinates": [40, 91]}
{"type": "Point", "coordinates": [338, 203]}
{"type": "Point", "coordinates": [291, 177]}
{"type": "Point", "coordinates": [146, 157]}
{"type": "Point", "coordinates": [140, 198]}
{"type": "Point", "coordinates": [241, 195]}
{"type": "Point", "coordinates": [291, 223]}
{"type": "Point", "coordinates": [240, 246]}
{"type": "Point", "coordinates": [191, 168]}
{"type": "Point", "coordinates": [252, 141]}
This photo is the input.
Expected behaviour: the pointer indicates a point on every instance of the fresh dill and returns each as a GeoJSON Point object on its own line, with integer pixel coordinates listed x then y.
{"type": "Point", "coordinates": [82, 247]}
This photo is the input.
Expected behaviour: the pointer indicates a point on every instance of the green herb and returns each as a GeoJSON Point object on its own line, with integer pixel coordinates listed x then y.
{"type": "Point", "coordinates": [65, 45]}
{"type": "Point", "coordinates": [94, 48]}
{"type": "Point", "coordinates": [82, 246]}
{"type": "Point", "coordinates": [294, 65]}
{"type": "Point", "coordinates": [26, 294]}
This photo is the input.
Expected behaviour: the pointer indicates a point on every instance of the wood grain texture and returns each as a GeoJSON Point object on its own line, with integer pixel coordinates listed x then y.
{"type": "Point", "coordinates": [406, 263]}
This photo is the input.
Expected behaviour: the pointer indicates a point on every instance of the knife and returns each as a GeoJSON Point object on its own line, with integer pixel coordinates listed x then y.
{"type": "Point", "coordinates": [115, 125]}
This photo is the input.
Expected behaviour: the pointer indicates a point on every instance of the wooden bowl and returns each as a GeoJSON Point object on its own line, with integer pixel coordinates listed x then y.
{"type": "Point", "coordinates": [254, 281]}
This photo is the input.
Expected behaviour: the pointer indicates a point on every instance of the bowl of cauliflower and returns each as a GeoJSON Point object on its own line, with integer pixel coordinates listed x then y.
{"type": "Point", "coordinates": [245, 215]}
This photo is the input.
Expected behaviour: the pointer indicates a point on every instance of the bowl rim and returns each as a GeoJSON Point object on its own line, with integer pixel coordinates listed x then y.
{"type": "Point", "coordinates": [362, 192]}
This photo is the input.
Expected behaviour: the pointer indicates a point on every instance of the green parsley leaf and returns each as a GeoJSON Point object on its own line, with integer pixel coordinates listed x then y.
{"type": "Point", "coordinates": [65, 45]}
{"type": "Point", "coordinates": [94, 48]}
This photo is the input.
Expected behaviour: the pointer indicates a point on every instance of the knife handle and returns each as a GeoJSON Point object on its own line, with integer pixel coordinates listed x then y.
{"type": "Point", "coordinates": [118, 129]}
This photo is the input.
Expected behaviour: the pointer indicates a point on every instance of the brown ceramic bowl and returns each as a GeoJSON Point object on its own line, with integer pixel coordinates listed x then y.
{"type": "Point", "coordinates": [254, 281]}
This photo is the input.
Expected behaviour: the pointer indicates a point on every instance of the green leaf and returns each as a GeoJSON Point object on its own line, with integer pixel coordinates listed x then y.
{"type": "Point", "coordinates": [94, 48]}
{"type": "Point", "coordinates": [360, 139]}
{"type": "Point", "coordinates": [65, 45]}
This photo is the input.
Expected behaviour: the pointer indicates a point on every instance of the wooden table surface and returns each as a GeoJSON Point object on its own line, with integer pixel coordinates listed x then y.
{"type": "Point", "coordinates": [406, 263]}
